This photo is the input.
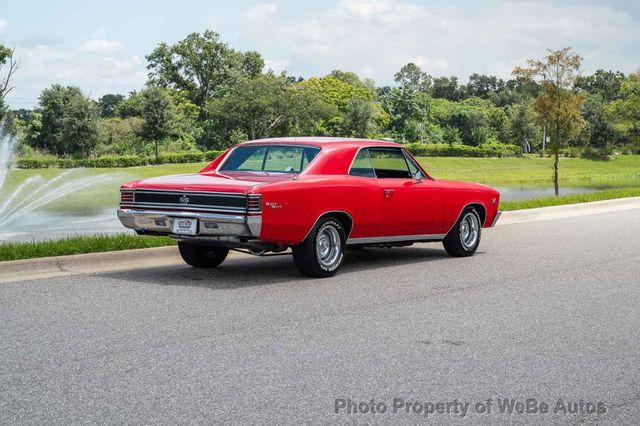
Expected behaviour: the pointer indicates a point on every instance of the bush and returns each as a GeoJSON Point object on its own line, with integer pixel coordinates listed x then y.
{"type": "Point", "coordinates": [37, 163]}
{"type": "Point", "coordinates": [212, 155]}
{"type": "Point", "coordinates": [182, 157]}
{"type": "Point", "coordinates": [114, 160]}
{"type": "Point", "coordinates": [592, 153]}
{"type": "Point", "coordinates": [629, 149]}
{"type": "Point", "coordinates": [444, 150]}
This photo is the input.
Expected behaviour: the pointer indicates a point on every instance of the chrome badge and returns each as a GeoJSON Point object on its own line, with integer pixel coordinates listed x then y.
{"type": "Point", "coordinates": [184, 199]}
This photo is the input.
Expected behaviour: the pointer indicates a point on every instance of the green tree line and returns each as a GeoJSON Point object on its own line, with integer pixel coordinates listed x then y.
{"type": "Point", "coordinates": [201, 94]}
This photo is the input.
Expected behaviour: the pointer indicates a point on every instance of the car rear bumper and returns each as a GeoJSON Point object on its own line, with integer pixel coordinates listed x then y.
{"type": "Point", "coordinates": [209, 224]}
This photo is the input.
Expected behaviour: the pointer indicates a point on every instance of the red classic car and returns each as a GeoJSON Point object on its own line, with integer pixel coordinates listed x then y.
{"type": "Point", "coordinates": [317, 196]}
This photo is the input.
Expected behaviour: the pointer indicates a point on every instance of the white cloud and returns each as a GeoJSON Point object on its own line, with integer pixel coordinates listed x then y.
{"type": "Point", "coordinates": [3, 24]}
{"type": "Point", "coordinates": [97, 66]}
{"type": "Point", "coordinates": [261, 12]}
{"type": "Point", "coordinates": [100, 46]}
{"type": "Point", "coordinates": [377, 37]}
{"type": "Point", "coordinates": [276, 65]}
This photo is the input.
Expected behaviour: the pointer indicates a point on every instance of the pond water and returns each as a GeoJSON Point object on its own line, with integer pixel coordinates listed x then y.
{"type": "Point", "coordinates": [93, 211]}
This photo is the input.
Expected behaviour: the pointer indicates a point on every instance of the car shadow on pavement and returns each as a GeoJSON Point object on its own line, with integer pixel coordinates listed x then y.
{"type": "Point", "coordinates": [268, 270]}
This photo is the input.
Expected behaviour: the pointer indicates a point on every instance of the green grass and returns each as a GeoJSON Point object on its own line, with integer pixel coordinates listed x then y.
{"type": "Point", "coordinates": [569, 199]}
{"type": "Point", "coordinates": [79, 245]}
{"type": "Point", "coordinates": [534, 170]}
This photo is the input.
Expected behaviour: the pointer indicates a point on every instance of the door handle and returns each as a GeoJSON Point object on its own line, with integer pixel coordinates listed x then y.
{"type": "Point", "coordinates": [388, 193]}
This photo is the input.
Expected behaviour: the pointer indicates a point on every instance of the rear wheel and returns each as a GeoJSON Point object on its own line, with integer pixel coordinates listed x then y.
{"type": "Point", "coordinates": [201, 256]}
{"type": "Point", "coordinates": [321, 254]}
{"type": "Point", "coordinates": [464, 238]}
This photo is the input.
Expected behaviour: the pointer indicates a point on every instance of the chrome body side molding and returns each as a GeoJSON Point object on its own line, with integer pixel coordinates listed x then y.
{"type": "Point", "coordinates": [396, 239]}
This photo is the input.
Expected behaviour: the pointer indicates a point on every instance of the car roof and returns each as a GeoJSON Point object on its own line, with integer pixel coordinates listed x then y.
{"type": "Point", "coordinates": [322, 141]}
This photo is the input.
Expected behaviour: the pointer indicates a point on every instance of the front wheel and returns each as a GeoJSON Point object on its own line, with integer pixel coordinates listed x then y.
{"type": "Point", "coordinates": [321, 254]}
{"type": "Point", "coordinates": [464, 238]}
{"type": "Point", "coordinates": [201, 256]}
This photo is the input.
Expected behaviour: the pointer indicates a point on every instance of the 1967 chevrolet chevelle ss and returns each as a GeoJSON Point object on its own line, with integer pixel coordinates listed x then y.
{"type": "Point", "coordinates": [317, 196]}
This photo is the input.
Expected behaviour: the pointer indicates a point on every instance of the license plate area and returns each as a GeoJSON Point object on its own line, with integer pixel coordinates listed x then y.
{"type": "Point", "coordinates": [184, 226]}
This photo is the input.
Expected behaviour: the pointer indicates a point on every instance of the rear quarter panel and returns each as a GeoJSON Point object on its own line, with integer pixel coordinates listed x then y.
{"type": "Point", "coordinates": [290, 209]}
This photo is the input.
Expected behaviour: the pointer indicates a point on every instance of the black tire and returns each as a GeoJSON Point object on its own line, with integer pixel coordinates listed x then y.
{"type": "Point", "coordinates": [202, 256]}
{"type": "Point", "coordinates": [459, 242]}
{"type": "Point", "coordinates": [308, 259]}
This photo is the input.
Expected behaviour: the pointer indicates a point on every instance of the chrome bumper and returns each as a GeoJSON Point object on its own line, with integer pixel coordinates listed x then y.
{"type": "Point", "coordinates": [209, 224]}
{"type": "Point", "coordinates": [495, 219]}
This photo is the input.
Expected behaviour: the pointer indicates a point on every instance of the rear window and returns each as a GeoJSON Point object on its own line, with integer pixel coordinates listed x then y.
{"type": "Point", "coordinates": [270, 158]}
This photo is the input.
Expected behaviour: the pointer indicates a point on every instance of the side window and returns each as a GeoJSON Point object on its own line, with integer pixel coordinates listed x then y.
{"type": "Point", "coordinates": [362, 165]}
{"type": "Point", "coordinates": [389, 163]}
{"type": "Point", "coordinates": [416, 173]}
{"type": "Point", "coordinates": [308, 155]}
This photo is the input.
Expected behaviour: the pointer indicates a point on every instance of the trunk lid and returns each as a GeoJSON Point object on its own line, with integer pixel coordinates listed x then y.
{"type": "Point", "coordinates": [238, 182]}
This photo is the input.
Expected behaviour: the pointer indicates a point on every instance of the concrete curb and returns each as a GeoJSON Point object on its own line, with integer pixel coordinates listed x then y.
{"type": "Point", "coordinates": [20, 270]}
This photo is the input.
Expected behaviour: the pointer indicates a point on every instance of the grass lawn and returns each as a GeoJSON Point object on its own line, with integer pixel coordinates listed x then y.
{"type": "Point", "coordinates": [534, 170]}
{"type": "Point", "coordinates": [569, 199]}
{"type": "Point", "coordinates": [79, 245]}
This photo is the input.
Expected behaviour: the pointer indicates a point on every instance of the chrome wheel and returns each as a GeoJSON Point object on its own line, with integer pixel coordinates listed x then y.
{"type": "Point", "coordinates": [469, 230]}
{"type": "Point", "coordinates": [328, 247]}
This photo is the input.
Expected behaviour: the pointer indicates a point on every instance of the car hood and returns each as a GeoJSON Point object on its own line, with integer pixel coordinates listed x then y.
{"type": "Point", "coordinates": [238, 182]}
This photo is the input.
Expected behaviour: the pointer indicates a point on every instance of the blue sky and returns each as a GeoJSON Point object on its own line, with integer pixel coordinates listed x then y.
{"type": "Point", "coordinates": [100, 46]}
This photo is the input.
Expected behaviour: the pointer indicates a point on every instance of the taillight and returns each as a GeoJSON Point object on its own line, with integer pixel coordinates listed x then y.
{"type": "Point", "coordinates": [126, 197]}
{"type": "Point", "coordinates": [254, 203]}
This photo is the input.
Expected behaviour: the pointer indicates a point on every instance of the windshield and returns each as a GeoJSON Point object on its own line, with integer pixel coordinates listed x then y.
{"type": "Point", "coordinates": [270, 158]}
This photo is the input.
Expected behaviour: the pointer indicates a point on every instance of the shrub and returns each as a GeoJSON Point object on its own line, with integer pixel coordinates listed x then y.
{"type": "Point", "coordinates": [444, 150]}
{"type": "Point", "coordinates": [37, 163]}
{"type": "Point", "coordinates": [212, 155]}
{"type": "Point", "coordinates": [182, 157]}
{"type": "Point", "coordinates": [592, 153]}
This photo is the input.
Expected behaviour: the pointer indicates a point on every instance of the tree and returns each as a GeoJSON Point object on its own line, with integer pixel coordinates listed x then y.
{"type": "Point", "coordinates": [447, 88]}
{"type": "Point", "coordinates": [129, 107]}
{"type": "Point", "coordinates": [255, 106]}
{"type": "Point", "coordinates": [606, 84]}
{"type": "Point", "coordinates": [522, 128]}
{"type": "Point", "coordinates": [557, 106]}
{"type": "Point", "coordinates": [358, 118]}
{"type": "Point", "coordinates": [598, 131]}
{"type": "Point", "coordinates": [201, 65]}
{"type": "Point", "coordinates": [404, 110]}
{"type": "Point", "coordinates": [108, 104]}
{"type": "Point", "coordinates": [157, 115]}
{"type": "Point", "coordinates": [482, 86]}
{"type": "Point", "coordinates": [337, 94]}
{"type": "Point", "coordinates": [69, 121]}
{"type": "Point", "coordinates": [413, 79]}
{"type": "Point", "coordinates": [625, 112]}
{"type": "Point", "coordinates": [6, 59]}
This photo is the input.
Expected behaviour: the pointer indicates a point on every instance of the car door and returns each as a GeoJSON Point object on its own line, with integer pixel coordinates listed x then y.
{"type": "Point", "coordinates": [411, 204]}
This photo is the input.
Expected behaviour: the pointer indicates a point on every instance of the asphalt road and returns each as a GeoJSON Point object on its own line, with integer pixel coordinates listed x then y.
{"type": "Point", "coordinates": [546, 310]}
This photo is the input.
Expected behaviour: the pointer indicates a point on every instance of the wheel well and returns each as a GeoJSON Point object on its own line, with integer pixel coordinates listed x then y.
{"type": "Point", "coordinates": [344, 218]}
{"type": "Point", "coordinates": [481, 211]}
